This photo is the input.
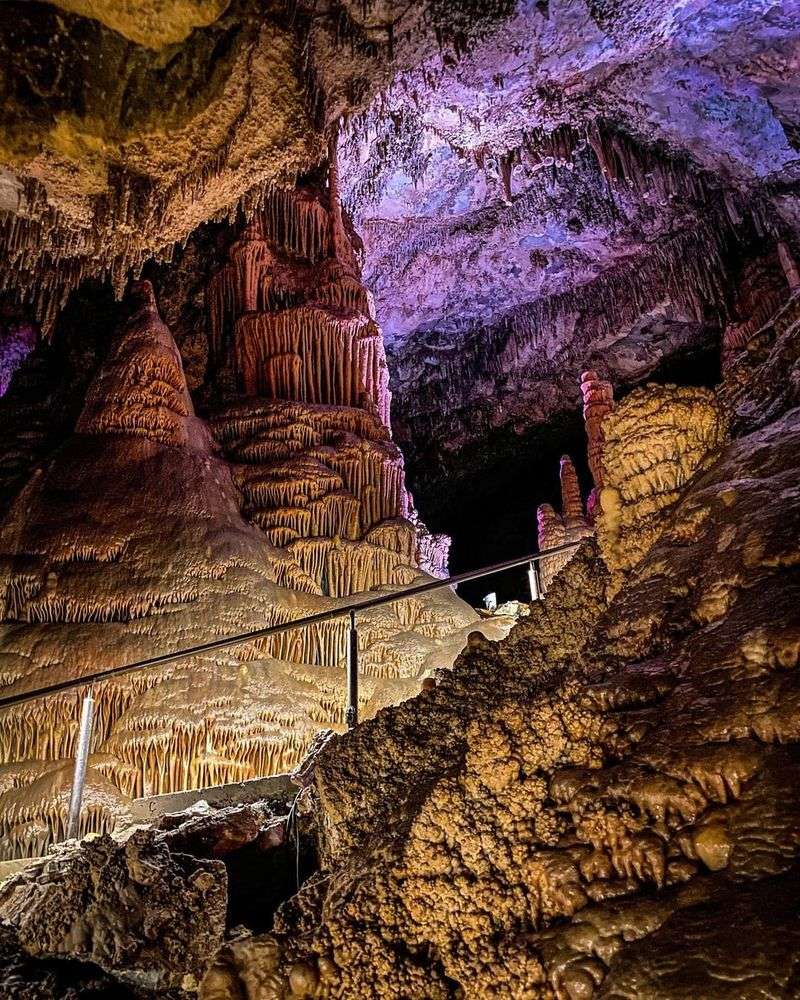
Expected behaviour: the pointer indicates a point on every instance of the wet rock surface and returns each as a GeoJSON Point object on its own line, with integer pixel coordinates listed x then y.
{"type": "Point", "coordinates": [152, 530]}
{"type": "Point", "coordinates": [145, 913]}
{"type": "Point", "coordinates": [541, 187]}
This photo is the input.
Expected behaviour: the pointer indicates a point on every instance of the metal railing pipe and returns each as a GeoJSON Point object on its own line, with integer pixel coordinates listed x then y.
{"type": "Point", "coordinates": [263, 633]}
{"type": "Point", "coordinates": [79, 777]}
{"type": "Point", "coordinates": [351, 714]}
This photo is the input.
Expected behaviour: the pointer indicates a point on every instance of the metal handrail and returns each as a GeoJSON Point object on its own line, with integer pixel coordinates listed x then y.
{"type": "Point", "coordinates": [270, 630]}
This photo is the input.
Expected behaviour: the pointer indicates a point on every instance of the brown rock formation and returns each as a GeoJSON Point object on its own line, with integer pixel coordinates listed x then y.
{"type": "Point", "coordinates": [761, 292]}
{"type": "Point", "coordinates": [131, 541]}
{"type": "Point", "coordinates": [151, 917]}
{"type": "Point", "coordinates": [132, 129]}
{"type": "Point", "coordinates": [598, 402]}
{"type": "Point", "coordinates": [554, 530]}
{"type": "Point", "coordinates": [604, 804]}
{"type": "Point", "coordinates": [319, 475]}
{"type": "Point", "coordinates": [655, 441]}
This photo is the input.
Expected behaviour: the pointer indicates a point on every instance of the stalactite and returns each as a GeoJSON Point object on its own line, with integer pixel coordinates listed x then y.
{"type": "Point", "coordinates": [789, 265]}
{"type": "Point", "coordinates": [760, 293]}
{"type": "Point", "coordinates": [342, 568]}
{"type": "Point", "coordinates": [310, 355]}
{"type": "Point", "coordinates": [622, 159]}
{"type": "Point", "coordinates": [543, 148]}
{"type": "Point", "coordinates": [341, 246]}
{"type": "Point", "coordinates": [688, 271]}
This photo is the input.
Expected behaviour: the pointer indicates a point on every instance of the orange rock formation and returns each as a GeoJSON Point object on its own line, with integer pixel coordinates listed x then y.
{"type": "Point", "coordinates": [555, 529]}
{"type": "Point", "coordinates": [606, 803]}
{"type": "Point", "coordinates": [598, 402]}
{"type": "Point", "coordinates": [145, 534]}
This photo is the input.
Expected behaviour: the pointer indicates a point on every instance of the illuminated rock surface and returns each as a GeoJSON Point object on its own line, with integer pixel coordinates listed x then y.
{"type": "Point", "coordinates": [603, 804]}
{"type": "Point", "coordinates": [134, 540]}
{"type": "Point", "coordinates": [151, 917]}
{"type": "Point", "coordinates": [533, 191]}
{"type": "Point", "coordinates": [561, 529]}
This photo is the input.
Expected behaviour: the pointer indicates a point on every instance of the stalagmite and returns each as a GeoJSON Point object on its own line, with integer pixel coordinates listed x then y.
{"type": "Point", "coordinates": [571, 502]}
{"type": "Point", "coordinates": [655, 440]}
{"type": "Point", "coordinates": [598, 402]}
{"type": "Point", "coordinates": [570, 526]}
{"type": "Point", "coordinates": [575, 522]}
{"type": "Point", "coordinates": [311, 434]}
{"type": "Point", "coordinates": [134, 539]}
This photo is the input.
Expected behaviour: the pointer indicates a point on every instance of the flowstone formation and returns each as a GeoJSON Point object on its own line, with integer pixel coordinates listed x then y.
{"type": "Point", "coordinates": [291, 321]}
{"type": "Point", "coordinates": [605, 803]}
{"type": "Point", "coordinates": [641, 454]}
{"type": "Point", "coordinates": [138, 537]}
{"type": "Point", "coordinates": [654, 442]}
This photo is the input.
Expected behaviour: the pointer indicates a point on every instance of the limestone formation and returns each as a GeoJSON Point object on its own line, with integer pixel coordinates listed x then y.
{"type": "Point", "coordinates": [598, 402]}
{"type": "Point", "coordinates": [654, 442]}
{"type": "Point", "coordinates": [605, 803]}
{"type": "Point", "coordinates": [16, 342]}
{"type": "Point", "coordinates": [134, 540]}
{"type": "Point", "coordinates": [575, 523]}
{"type": "Point", "coordinates": [554, 530]}
{"type": "Point", "coordinates": [486, 198]}
{"type": "Point", "coordinates": [152, 918]}
{"type": "Point", "coordinates": [320, 474]}
{"type": "Point", "coordinates": [640, 455]}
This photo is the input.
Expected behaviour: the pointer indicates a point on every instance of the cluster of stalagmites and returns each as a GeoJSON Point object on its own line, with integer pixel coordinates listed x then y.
{"type": "Point", "coordinates": [574, 522]}
{"type": "Point", "coordinates": [641, 454]}
{"type": "Point", "coordinates": [150, 531]}
{"type": "Point", "coordinates": [605, 803]}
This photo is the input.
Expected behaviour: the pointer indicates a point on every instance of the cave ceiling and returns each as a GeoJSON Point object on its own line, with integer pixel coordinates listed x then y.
{"type": "Point", "coordinates": [539, 186]}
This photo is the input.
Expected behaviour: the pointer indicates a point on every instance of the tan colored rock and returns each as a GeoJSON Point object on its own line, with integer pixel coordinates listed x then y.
{"type": "Point", "coordinates": [606, 803]}
{"type": "Point", "coordinates": [554, 529]}
{"type": "Point", "coordinates": [153, 23]}
{"type": "Point", "coordinates": [158, 115]}
{"type": "Point", "coordinates": [598, 402]}
{"type": "Point", "coordinates": [145, 534]}
{"type": "Point", "coordinates": [655, 441]}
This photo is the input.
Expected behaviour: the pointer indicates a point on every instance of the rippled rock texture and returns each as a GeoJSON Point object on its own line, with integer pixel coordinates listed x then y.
{"type": "Point", "coordinates": [151, 531]}
{"type": "Point", "coordinates": [151, 917]}
{"type": "Point", "coordinates": [603, 804]}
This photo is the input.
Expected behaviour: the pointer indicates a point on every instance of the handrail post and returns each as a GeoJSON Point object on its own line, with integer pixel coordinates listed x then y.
{"type": "Point", "coordinates": [533, 581]}
{"type": "Point", "coordinates": [81, 758]}
{"type": "Point", "coordinates": [351, 715]}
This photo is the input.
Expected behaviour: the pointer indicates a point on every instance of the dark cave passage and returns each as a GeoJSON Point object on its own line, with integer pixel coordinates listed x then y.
{"type": "Point", "coordinates": [487, 503]}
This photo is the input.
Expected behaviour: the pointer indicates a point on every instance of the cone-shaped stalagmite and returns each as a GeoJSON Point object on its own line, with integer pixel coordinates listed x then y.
{"type": "Point", "coordinates": [598, 402]}
{"type": "Point", "coordinates": [134, 540]}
